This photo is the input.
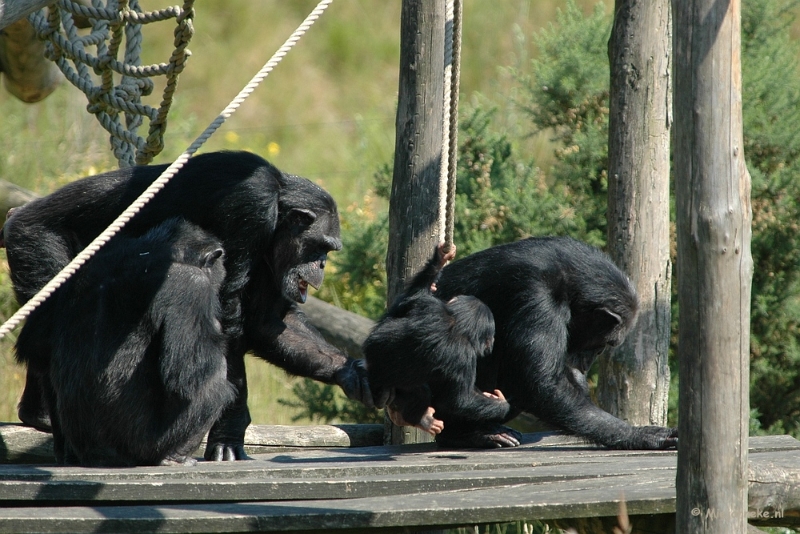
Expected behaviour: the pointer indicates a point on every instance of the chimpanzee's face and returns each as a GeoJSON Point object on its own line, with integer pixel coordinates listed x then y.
{"type": "Point", "coordinates": [300, 251]}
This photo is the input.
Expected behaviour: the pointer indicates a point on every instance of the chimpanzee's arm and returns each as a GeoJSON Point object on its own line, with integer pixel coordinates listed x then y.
{"type": "Point", "coordinates": [423, 280]}
{"type": "Point", "coordinates": [297, 347]}
{"type": "Point", "coordinates": [545, 387]}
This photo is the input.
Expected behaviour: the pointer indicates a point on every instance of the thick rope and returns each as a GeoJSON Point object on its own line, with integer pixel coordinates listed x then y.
{"type": "Point", "coordinates": [120, 21]}
{"type": "Point", "coordinates": [450, 138]}
{"type": "Point", "coordinates": [165, 176]}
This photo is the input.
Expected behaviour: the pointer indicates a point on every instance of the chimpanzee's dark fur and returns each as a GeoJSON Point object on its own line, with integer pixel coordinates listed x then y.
{"type": "Point", "coordinates": [130, 350]}
{"type": "Point", "coordinates": [426, 351]}
{"type": "Point", "coordinates": [276, 230]}
{"type": "Point", "coordinates": [557, 303]}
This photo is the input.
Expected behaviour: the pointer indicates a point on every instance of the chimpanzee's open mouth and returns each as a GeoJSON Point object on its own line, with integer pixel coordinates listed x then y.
{"type": "Point", "coordinates": [302, 286]}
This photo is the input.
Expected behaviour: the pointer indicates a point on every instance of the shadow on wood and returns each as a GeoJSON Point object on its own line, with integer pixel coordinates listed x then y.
{"type": "Point", "coordinates": [306, 484]}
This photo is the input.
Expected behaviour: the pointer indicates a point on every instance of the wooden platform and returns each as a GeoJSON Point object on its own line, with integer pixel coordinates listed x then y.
{"type": "Point", "coordinates": [347, 488]}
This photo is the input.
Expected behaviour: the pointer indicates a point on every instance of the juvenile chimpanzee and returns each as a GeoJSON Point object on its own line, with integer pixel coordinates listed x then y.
{"type": "Point", "coordinates": [130, 350]}
{"type": "Point", "coordinates": [557, 303]}
{"type": "Point", "coordinates": [425, 350]}
{"type": "Point", "coordinates": [276, 230]}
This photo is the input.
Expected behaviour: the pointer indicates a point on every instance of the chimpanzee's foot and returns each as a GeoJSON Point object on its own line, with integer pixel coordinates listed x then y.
{"type": "Point", "coordinates": [179, 460]}
{"type": "Point", "coordinates": [32, 409]}
{"type": "Point", "coordinates": [37, 417]}
{"type": "Point", "coordinates": [493, 438]}
{"type": "Point", "coordinates": [428, 423]}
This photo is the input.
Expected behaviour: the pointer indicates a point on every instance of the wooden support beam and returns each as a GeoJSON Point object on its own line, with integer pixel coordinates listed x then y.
{"type": "Point", "coordinates": [13, 10]}
{"type": "Point", "coordinates": [341, 328]}
{"type": "Point", "coordinates": [22, 444]}
{"type": "Point", "coordinates": [27, 73]}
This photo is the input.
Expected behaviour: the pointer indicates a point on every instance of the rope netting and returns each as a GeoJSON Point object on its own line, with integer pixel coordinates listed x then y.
{"type": "Point", "coordinates": [115, 85]}
{"type": "Point", "coordinates": [165, 177]}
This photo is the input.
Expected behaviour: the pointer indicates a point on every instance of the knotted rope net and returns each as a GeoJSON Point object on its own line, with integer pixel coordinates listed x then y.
{"type": "Point", "coordinates": [121, 82]}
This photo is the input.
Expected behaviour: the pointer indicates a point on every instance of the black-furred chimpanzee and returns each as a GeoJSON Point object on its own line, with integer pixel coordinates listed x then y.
{"type": "Point", "coordinates": [130, 350]}
{"type": "Point", "coordinates": [557, 303]}
{"type": "Point", "coordinates": [276, 230]}
{"type": "Point", "coordinates": [422, 354]}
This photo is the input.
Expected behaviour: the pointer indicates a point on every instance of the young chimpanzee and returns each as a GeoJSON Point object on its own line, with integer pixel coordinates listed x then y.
{"type": "Point", "coordinates": [557, 304]}
{"type": "Point", "coordinates": [276, 229]}
{"type": "Point", "coordinates": [131, 352]}
{"type": "Point", "coordinates": [421, 356]}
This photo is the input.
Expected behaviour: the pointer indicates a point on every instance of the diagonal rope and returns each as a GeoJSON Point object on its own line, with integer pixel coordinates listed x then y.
{"type": "Point", "coordinates": [162, 180]}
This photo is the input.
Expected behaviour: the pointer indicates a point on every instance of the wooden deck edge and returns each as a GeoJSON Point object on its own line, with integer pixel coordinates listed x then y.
{"type": "Point", "coordinates": [22, 444]}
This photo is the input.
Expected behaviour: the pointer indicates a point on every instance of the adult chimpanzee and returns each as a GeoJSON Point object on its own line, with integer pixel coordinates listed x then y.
{"type": "Point", "coordinates": [130, 351]}
{"type": "Point", "coordinates": [276, 229]}
{"type": "Point", "coordinates": [557, 303]}
{"type": "Point", "coordinates": [424, 351]}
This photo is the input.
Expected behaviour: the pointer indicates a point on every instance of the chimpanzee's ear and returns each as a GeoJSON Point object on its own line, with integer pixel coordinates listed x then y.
{"type": "Point", "coordinates": [211, 257]}
{"type": "Point", "coordinates": [609, 316]}
{"type": "Point", "coordinates": [299, 219]}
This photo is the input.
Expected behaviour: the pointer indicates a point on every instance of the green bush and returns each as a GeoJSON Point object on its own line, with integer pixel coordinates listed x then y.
{"type": "Point", "coordinates": [771, 112]}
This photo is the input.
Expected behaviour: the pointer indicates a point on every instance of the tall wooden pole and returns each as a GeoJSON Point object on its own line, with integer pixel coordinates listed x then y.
{"type": "Point", "coordinates": [414, 228]}
{"type": "Point", "coordinates": [634, 379]}
{"type": "Point", "coordinates": [712, 193]}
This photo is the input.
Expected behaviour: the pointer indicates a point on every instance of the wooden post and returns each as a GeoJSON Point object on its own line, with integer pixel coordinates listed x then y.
{"type": "Point", "coordinates": [27, 74]}
{"type": "Point", "coordinates": [13, 10]}
{"type": "Point", "coordinates": [634, 379]}
{"type": "Point", "coordinates": [414, 228]}
{"type": "Point", "coordinates": [712, 193]}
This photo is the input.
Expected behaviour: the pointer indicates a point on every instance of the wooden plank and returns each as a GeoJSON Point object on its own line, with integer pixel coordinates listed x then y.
{"type": "Point", "coordinates": [20, 444]}
{"type": "Point", "coordinates": [368, 461]}
{"type": "Point", "coordinates": [775, 479]}
{"type": "Point", "coordinates": [549, 476]}
{"type": "Point", "coordinates": [508, 503]}
{"type": "Point", "coordinates": [254, 485]}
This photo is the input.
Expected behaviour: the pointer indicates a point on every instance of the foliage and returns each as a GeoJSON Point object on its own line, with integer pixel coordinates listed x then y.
{"type": "Point", "coordinates": [357, 280]}
{"type": "Point", "coordinates": [517, 527]}
{"type": "Point", "coordinates": [325, 403]}
{"type": "Point", "coordinates": [771, 111]}
{"type": "Point", "coordinates": [566, 93]}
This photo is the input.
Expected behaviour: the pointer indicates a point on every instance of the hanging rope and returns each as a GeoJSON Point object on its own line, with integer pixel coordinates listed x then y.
{"type": "Point", "coordinates": [118, 20]}
{"type": "Point", "coordinates": [452, 62]}
{"type": "Point", "coordinates": [165, 177]}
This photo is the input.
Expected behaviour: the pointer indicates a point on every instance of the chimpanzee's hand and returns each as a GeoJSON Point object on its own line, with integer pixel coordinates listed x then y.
{"type": "Point", "coordinates": [352, 378]}
{"type": "Point", "coordinates": [652, 438]}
